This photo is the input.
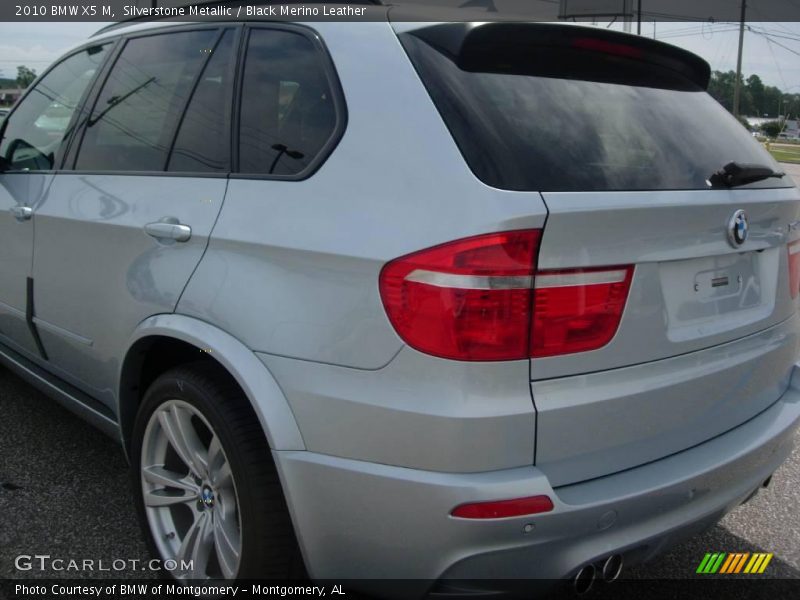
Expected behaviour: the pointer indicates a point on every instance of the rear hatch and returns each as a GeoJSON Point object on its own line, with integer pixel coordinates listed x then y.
{"type": "Point", "coordinates": [620, 138]}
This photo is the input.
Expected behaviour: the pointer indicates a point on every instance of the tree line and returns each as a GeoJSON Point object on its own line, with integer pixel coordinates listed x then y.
{"type": "Point", "coordinates": [25, 77]}
{"type": "Point", "coordinates": [756, 99]}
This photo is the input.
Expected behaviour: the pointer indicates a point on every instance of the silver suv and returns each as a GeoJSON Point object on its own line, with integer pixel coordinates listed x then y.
{"type": "Point", "coordinates": [439, 302]}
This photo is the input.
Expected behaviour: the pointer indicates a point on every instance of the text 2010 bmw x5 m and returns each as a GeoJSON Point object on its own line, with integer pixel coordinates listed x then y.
{"type": "Point", "coordinates": [437, 302]}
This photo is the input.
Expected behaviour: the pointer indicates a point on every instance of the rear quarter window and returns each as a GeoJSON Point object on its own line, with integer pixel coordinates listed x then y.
{"type": "Point", "coordinates": [289, 114]}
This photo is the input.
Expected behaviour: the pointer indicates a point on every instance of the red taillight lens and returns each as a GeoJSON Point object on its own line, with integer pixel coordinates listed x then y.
{"type": "Point", "coordinates": [466, 300]}
{"type": "Point", "coordinates": [482, 299]}
{"type": "Point", "coordinates": [794, 268]}
{"type": "Point", "coordinates": [577, 310]}
{"type": "Point", "coordinates": [501, 509]}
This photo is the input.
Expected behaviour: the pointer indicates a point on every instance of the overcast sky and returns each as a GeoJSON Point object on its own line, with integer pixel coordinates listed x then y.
{"type": "Point", "coordinates": [776, 57]}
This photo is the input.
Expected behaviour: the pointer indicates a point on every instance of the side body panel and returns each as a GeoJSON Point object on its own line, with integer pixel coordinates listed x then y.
{"type": "Point", "coordinates": [98, 274]}
{"type": "Point", "coordinates": [293, 266]}
{"type": "Point", "coordinates": [418, 411]}
{"type": "Point", "coordinates": [16, 256]}
{"type": "Point", "coordinates": [292, 270]}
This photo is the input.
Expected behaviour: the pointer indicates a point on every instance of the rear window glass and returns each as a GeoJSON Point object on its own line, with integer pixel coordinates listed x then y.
{"type": "Point", "coordinates": [561, 132]}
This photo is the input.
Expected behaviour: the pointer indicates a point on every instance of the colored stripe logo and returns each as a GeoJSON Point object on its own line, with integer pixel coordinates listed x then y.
{"type": "Point", "coordinates": [734, 563]}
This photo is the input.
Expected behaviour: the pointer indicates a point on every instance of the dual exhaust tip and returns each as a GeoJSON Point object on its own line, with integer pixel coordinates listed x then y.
{"type": "Point", "coordinates": [608, 571]}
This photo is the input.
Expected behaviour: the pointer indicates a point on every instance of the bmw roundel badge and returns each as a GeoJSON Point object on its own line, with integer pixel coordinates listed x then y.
{"type": "Point", "coordinates": [738, 228]}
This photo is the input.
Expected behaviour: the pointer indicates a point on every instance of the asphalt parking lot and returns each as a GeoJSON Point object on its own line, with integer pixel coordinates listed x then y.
{"type": "Point", "coordinates": [64, 492]}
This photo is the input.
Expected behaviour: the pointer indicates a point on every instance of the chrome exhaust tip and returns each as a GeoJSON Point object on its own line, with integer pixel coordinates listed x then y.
{"type": "Point", "coordinates": [612, 568]}
{"type": "Point", "coordinates": [584, 579]}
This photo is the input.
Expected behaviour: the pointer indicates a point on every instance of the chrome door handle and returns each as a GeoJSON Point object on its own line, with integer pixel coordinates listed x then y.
{"type": "Point", "coordinates": [169, 228]}
{"type": "Point", "coordinates": [22, 213]}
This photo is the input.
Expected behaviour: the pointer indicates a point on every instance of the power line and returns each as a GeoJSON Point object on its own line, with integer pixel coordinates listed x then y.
{"type": "Point", "coordinates": [771, 41]}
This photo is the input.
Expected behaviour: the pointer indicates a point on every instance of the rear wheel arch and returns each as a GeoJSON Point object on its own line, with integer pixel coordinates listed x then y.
{"type": "Point", "coordinates": [163, 342]}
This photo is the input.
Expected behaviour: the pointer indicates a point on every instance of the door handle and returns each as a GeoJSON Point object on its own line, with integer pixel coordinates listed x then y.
{"type": "Point", "coordinates": [22, 213]}
{"type": "Point", "coordinates": [169, 228]}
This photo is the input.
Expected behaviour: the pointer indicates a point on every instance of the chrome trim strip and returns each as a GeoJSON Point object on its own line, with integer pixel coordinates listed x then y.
{"type": "Point", "coordinates": [551, 280]}
{"type": "Point", "coordinates": [470, 282]}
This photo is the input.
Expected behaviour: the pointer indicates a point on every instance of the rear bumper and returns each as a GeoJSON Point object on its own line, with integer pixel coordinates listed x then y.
{"type": "Point", "coordinates": [360, 520]}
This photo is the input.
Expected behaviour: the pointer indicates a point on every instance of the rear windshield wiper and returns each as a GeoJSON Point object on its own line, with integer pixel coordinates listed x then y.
{"type": "Point", "coordinates": [735, 173]}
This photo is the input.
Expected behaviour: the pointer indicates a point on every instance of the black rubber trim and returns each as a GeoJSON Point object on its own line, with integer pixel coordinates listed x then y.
{"type": "Point", "coordinates": [29, 314]}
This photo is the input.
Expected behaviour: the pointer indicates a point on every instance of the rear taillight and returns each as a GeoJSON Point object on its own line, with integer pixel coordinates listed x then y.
{"type": "Point", "coordinates": [577, 310]}
{"type": "Point", "coordinates": [794, 268]}
{"type": "Point", "coordinates": [482, 299]}
{"type": "Point", "coordinates": [467, 300]}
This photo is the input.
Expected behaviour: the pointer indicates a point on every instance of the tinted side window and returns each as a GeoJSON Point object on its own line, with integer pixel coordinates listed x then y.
{"type": "Point", "coordinates": [203, 142]}
{"type": "Point", "coordinates": [36, 130]}
{"type": "Point", "coordinates": [137, 111]}
{"type": "Point", "coordinates": [287, 107]}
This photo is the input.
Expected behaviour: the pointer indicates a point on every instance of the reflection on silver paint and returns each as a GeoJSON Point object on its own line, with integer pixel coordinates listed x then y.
{"type": "Point", "coordinates": [284, 295]}
{"type": "Point", "coordinates": [16, 254]}
{"type": "Point", "coordinates": [663, 234]}
{"type": "Point", "coordinates": [591, 425]}
{"type": "Point", "coordinates": [293, 267]}
{"type": "Point", "coordinates": [98, 274]}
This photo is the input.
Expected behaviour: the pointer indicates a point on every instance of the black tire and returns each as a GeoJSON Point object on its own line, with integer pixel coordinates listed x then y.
{"type": "Point", "coordinates": [269, 547]}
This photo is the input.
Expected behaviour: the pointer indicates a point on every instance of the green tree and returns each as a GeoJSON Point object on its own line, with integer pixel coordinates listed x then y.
{"type": "Point", "coordinates": [25, 76]}
{"type": "Point", "coordinates": [755, 88]}
{"type": "Point", "coordinates": [773, 98]}
{"type": "Point", "coordinates": [720, 86]}
{"type": "Point", "coordinates": [772, 128]}
{"type": "Point", "coordinates": [757, 99]}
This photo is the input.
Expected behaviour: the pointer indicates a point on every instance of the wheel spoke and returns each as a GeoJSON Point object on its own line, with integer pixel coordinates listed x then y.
{"type": "Point", "coordinates": [158, 475]}
{"type": "Point", "coordinates": [177, 425]}
{"type": "Point", "coordinates": [219, 471]}
{"type": "Point", "coordinates": [156, 498]}
{"type": "Point", "coordinates": [196, 546]}
{"type": "Point", "coordinates": [178, 468]}
{"type": "Point", "coordinates": [215, 457]}
{"type": "Point", "coordinates": [226, 542]}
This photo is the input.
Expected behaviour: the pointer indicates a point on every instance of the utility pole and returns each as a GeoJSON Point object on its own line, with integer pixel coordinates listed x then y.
{"type": "Point", "coordinates": [737, 92]}
{"type": "Point", "coordinates": [639, 18]}
{"type": "Point", "coordinates": [627, 8]}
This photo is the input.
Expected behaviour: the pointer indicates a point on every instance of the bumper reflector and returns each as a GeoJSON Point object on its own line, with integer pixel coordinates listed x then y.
{"type": "Point", "coordinates": [500, 509]}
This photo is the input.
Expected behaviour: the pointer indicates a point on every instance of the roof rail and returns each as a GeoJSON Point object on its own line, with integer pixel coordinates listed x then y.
{"type": "Point", "coordinates": [155, 4]}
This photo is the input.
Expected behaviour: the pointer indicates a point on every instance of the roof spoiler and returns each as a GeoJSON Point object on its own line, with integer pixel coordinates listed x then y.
{"type": "Point", "coordinates": [474, 45]}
